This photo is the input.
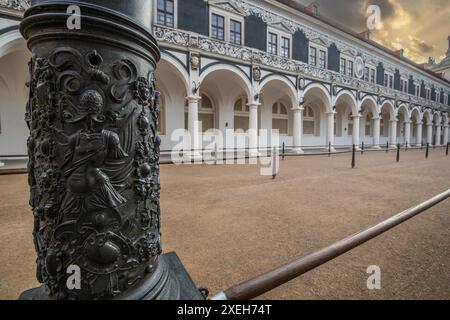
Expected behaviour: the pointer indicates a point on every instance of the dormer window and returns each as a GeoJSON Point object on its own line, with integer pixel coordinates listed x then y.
{"type": "Point", "coordinates": [226, 26]}
{"type": "Point", "coordinates": [318, 55]}
{"type": "Point", "coordinates": [279, 42]}
{"type": "Point", "coordinates": [404, 85]}
{"type": "Point", "coordinates": [389, 80]}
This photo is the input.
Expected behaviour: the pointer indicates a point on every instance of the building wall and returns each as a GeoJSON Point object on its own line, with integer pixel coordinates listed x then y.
{"type": "Point", "coordinates": [14, 96]}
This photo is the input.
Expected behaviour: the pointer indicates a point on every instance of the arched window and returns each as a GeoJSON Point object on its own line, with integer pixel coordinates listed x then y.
{"type": "Point", "coordinates": [280, 118]}
{"type": "Point", "coordinates": [309, 121]}
{"type": "Point", "coordinates": [206, 113]}
{"type": "Point", "coordinates": [241, 114]}
{"type": "Point", "coordinates": [368, 128]}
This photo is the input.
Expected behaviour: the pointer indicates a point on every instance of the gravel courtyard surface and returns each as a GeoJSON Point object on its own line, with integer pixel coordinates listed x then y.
{"type": "Point", "coordinates": [228, 223]}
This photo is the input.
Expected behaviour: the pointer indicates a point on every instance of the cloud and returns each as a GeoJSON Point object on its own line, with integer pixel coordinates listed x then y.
{"type": "Point", "coordinates": [420, 27]}
{"type": "Point", "coordinates": [421, 45]}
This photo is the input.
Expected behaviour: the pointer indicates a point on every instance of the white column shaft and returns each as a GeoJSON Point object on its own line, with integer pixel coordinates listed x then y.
{"type": "Point", "coordinates": [408, 132]}
{"type": "Point", "coordinates": [298, 128]}
{"type": "Point", "coordinates": [393, 133]}
{"type": "Point", "coordinates": [438, 136]}
{"type": "Point", "coordinates": [253, 128]}
{"type": "Point", "coordinates": [376, 132]}
{"type": "Point", "coordinates": [419, 134]}
{"type": "Point", "coordinates": [193, 125]}
{"type": "Point", "coordinates": [356, 121]}
{"type": "Point", "coordinates": [430, 133]}
{"type": "Point", "coordinates": [330, 129]}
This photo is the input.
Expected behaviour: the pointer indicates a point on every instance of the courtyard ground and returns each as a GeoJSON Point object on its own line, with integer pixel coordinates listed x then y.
{"type": "Point", "coordinates": [228, 223]}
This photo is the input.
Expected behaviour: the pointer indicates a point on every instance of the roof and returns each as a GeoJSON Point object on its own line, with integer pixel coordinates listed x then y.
{"type": "Point", "coordinates": [360, 36]}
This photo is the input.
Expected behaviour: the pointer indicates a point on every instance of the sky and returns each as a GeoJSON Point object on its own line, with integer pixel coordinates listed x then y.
{"type": "Point", "coordinates": [420, 27]}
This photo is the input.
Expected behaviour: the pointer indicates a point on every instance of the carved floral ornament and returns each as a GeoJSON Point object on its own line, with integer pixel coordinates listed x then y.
{"type": "Point", "coordinates": [20, 5]}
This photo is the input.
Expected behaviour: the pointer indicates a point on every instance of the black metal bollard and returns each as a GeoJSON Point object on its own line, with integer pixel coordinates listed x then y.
{"type": "Point", "coordinates": [398, 152]}
{"type": "Point", "coordinates": [387, 147]}
{"type": "Point", "coordinates": [446, 151]}
{"type": "Point", "coordinates": [428, 150]}
{"type": "Point", "coordinates": [329, 149]}
{"type": "Point", "coordinates": [362, 148]}
{"type": "Point", "coordinates": [353, 157]}
{"type": "Point", "coordinates": [406, 146]}
{"type": "Point", "coordinates": [283, 152]}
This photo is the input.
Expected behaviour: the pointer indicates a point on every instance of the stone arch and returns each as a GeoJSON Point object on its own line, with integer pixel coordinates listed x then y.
{"type": "Point", "coordinates": [235, 71]}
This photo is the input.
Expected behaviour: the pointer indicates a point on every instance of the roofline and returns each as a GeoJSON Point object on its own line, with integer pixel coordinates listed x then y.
{"type": "Point", "coordinates": [301, 9]}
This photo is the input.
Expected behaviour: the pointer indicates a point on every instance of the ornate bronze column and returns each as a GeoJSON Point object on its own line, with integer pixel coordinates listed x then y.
{"type": "Point", "coordinates": [94, 152]}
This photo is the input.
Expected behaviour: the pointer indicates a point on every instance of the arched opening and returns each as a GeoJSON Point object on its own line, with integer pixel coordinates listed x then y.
{"type": "Point", "coordinates": [345, 107]}
{"type": "Point", "coordinates": [172, 83]}
{"type": "Point", "coordinates": [403, 120]}
{"type": "Point", "coordinates": [278, 96]}
{"type": "Point", "coordinates": [367, 126]}
{"type": "Point", "coordinates": [227, 92]}
{"type": "Point", "coordinates": [14, 58]}
{"type": "Point", "coordinates": [387, 115]}
{"type": "Point", "coordinates": [317, 104]}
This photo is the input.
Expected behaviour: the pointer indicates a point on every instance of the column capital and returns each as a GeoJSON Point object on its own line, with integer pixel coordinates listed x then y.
{"type": "Point", "coordinates": [394, 120]}
{"type": "Point", "coordinates": [331, 113]}
{"type": "Point", "coordinates": [193, 98]}
{"type": "Point", "coordinates": [376, 118]}
{"type": "Point", "coordinates": [254, 105]}
{"type": "Point", "coordinates": [298, 108]}
{"type": "Point", "coordinates": [356, 116]}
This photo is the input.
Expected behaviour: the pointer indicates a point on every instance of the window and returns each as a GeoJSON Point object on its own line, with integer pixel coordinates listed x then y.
{"type": "Point", "coordinates": [285, 47]}
{"type": "Point", "coordinates": [235, 32]}
{"type": "Point", "coordinates": [280, 118]}
{"type": "Point", "coordinates": [226, 26]}
{"type": "Point", "coordinates": [368, 126]}
{"type": "Point", "coordinates": [241, 114]}
{"type": "Point", "coordinates": [388, 80]}
{"type": "Point", "coordinates": [428, 93]}
{"type": "Point", "coordinates": [312, 56]}
{"type": "Point", "coordinates": [166, 13]}
{"type": "Point", "coordinates": [279, 43]}
{"type": "Point", "coordinates": [343, 65]}
{"type": "Point", "coordinates": [437, 97]}
{"type": "Point", "coordinates": [445, 99]}
{"type": "Point", "coordinates": [366, 74]}
{"type": "Point", "coordinates": [217, 27]}
{"type": "Point", "coordinates": [372, 75]}
{"type": "Point", "coordinates": [417, 90]}
{"type": "Point", "coordinates": [322, 59]}
{"type": "Point", "coordinates": [403, 85]}
{"type": "Point", "coordinates": [350, 68]}
{"type": "Point", "coordinates": [309, 121]}
{"type": "Point", "coordinates": [273, 43]}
